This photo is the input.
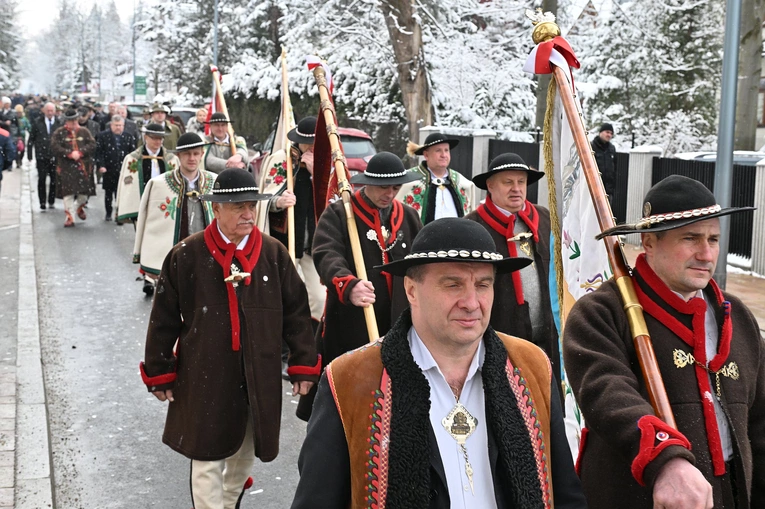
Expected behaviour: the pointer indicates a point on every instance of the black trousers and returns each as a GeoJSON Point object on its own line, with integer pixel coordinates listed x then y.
{"type": "Point", "coordinates": [43, 172]}
{"type": "Point", "coordinates": [109, 195]}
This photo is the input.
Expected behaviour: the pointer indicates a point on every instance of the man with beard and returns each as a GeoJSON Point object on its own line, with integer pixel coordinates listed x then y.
{"type": "Point", "coordinates": [146, 162]}
{"type": "Point", "coordinates": [519, 228]}
{"type": "Point", "coordinates": [39, 141]}
{"type": "Point", "coordinates": [112, 146]}
{"type": "Point", "coordinates": [171, 209]}
{"type": "Point", "coordinates": [438, 190]}
{"type": "Point", "coordinates": [73, 146]}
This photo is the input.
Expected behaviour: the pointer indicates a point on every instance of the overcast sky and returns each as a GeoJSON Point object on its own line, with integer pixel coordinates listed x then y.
{"type": "Point", "coordinates": [35, 16]}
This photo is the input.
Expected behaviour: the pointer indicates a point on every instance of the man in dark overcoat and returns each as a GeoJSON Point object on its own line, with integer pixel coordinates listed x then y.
{"type": "Point", "coordinates": [605, 157]}
{"type": "Point", "coordinates": [711, 357]}
{"type": "Point", "coordinates": [112, 145]}
{"type": "Point", "coordinates": [39, 143]}
{"type": "Point", "coordinates": [228, 296]}
{"type": "Point", "coordinates": [74, 148]}
{"type": "Point", "coordinates": [519, 228]}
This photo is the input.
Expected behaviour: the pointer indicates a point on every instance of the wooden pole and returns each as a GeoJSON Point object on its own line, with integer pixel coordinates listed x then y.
{"type": "Point", "coordinates": [338, 160]}
{"type": "Point", "coordinates": [286, 113]}
{"type": "Point", "coordinates": [224, 109]}
{"type": "Point", "coordinates": [657, 393]}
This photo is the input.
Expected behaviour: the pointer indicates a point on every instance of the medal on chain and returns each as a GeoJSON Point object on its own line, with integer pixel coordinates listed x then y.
{"type": "Point", "coordinates": [460, 424]}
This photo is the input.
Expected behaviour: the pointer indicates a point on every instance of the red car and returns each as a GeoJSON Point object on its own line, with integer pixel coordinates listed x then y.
{"type": "Point", "coordinates": [357, 145]}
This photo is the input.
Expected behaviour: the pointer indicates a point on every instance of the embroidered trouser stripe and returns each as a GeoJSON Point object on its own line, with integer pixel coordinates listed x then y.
{"type": "Point", "coordinates": [218, 484]}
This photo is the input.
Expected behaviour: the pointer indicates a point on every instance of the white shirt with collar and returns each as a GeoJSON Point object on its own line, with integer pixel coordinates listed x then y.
{"type": "Point", "coordinates": [442, 401]}
{"type": "Point", "coordinates": [711, 344]}
{"type": "Point", "coordinates": [192, 184]}
{"type": "Point", "coordinates": [224, 141]}
{"type": "Point", "coordinates": [445, 206]}
{"type": "Point", "coordinates": [242, 242]}
{"type": "Point", "coordinates": [154, 162]}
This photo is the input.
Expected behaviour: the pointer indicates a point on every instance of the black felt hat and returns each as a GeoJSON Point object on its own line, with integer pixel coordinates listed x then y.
{"type": "Point", "coordinates": [154, 130]}
{"type": "Point", "coordinates": [385, 169]}
{"type": "Point", "coordinates": [433, 139]}
{"type": "Point", "coordinates": [304, 132]}
{"type": "Point", "coordinates": [507, 162]}
{"type": "Point", "coordinates": [71, 114]}
{"type": "Point", "coordinates": [188, 141]}
{"type": "Point", "coordinates": [675, 202]}
{"type": "Point", "coordinates": [452, 239]}
{"type": "Point", "coordinates": [218, 118]}
{"type": "Point", "coordinates": [234, 185]}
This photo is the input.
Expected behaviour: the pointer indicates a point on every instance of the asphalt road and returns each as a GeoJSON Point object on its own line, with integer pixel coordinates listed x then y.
{"type": "Point", "coordinates": [105, 427]}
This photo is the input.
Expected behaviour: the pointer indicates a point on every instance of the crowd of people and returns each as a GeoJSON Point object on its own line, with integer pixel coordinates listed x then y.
{"type": "Point", "coordinates": [458, 402]}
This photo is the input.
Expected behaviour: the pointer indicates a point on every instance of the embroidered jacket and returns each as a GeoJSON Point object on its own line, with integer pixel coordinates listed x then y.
{"type": "Point", "coordinates": [416, 194]}
{"type": "Point", "coordinates": [73, 177]}
{"type": "Point", "coordinates": [371, 429]}
{"type": "Point", "coordinates": [162, 217]}
{"type": "Point", "coordinates": [134, 175]}
{"type": "Point", "coordinates": [626, 445]}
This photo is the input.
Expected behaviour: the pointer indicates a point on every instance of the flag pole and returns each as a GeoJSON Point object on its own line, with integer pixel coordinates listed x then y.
{"type": "Point", "coordinates": [341, 171]}
{"type": "Point", "coordinates": [224, 109]}
{"type": "Point", "coordinates": [657, 394]}
{"type": "Point", "coordinates": [288, 149]}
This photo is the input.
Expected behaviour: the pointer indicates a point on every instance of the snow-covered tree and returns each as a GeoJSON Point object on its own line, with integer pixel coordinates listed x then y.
{"type": "Point", "coordinates": [11, 49]}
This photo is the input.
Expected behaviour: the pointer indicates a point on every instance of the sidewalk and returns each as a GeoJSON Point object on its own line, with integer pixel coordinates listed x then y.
{"type": "Point", "coordinates": [25, 460]}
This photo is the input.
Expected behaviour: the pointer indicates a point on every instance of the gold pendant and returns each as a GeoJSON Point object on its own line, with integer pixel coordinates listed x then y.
{"type": "Point", "coordinates": [526, 247]}
{"type": "Point", "coordinates": [460, 425]}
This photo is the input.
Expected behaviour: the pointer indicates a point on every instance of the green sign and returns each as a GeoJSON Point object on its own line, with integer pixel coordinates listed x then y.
{"type": "Point", "coordinates": [140, 85]}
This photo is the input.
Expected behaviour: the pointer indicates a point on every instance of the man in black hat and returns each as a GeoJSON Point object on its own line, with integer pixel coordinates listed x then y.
{"type": "Point", "coordinates": [229, 321]}
{"type": "Point", "coordinates": [443, 412]}
{"type": "Point", "coordinates": [386, 228]}
{"type": "Point", "coordinates": [711, 357]}
{"type": "Point", "coordinates": [146, 162]}
{"type": "Point", "coordinates": [519, 228]}
{"type": "Point", "coordinates": [438, 190]}
{"type": "Point", "coordinates": [73, 146]}
{"type": "Point", "coordinates": [605, 157]}
{"type": "Point", "coordinates": [112, 146]}
{"type": "Point", "coordinates": [85, 120]}
{"type": "Point", "coordinates": [272, 215]}
{"type": "Point", "coordinates": [171, 209]}
{"type": "Point", "coordinates": [218, 156]}
{"type": "Point", "coordinates": [39, 140]}
{"type": "Point", "coordinates": [159, 114]}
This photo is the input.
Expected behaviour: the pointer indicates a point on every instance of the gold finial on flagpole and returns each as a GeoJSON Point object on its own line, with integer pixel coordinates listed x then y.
{"type": "Point", "coordinates": [545, 27]}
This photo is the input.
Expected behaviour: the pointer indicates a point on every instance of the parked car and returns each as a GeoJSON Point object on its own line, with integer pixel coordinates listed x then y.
{"type": "Point", "coordinates": [357, 145]}
{"type": "Point", "coordinates": [744, 157]}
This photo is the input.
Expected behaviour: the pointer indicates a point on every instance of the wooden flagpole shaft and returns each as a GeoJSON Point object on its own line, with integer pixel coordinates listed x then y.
{"type": "Point", "coordinates": [657, 392]}
{"type": "Point", "coordinates": [288, 150]}
{"type": "Point", "coordinates": [224, 109]}
{"type": "Point", "coordinates": [328, 110]}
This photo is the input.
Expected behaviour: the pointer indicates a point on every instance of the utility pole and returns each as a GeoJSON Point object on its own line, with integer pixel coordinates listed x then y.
{"type": "Point", "coordinates": [215, 43]}
{"type": "Point", "coordinates": [724, 165]}
{"type": "Point", "coordinates": [134, 16]}
{"type": "Point", "coordinates": [99, 51]}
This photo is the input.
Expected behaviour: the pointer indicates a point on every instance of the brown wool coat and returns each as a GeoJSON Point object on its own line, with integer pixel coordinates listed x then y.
{"type": "Point", "coordinates": [603, 370]}
{"type": "Point", "coordinates": [344, 324]}
{"type": "Point", "coordinates": [217, 389]}
{"type": "Point", "coordinates": [73, 177]}
{"type": "Point", "coordinates": [506, 315]}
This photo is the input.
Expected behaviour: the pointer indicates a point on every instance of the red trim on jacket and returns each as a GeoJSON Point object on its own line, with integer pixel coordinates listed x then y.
{"type": "Point", "coordinates": [505, 226]}
{"type": "Point", "coordinates": [582, 446]}
{"type": "Point", "coordinates": [341, 284]}
{"type": "Point", "coordinates": [151, 381]}
{"type": "Point", "coordinates": [656, 435]}
{"type": "Point", "coordinates": [306, 370]}
{"type": "Point", "coordinates": [224, 253]}
{"type": "Point", "coordinates": [371, 217]}
{"type": "Point", "coordinates": [696, 339]}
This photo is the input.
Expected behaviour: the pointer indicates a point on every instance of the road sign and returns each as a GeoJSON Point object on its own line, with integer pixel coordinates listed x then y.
{"type": "Point", "coordinates": [140, 85]}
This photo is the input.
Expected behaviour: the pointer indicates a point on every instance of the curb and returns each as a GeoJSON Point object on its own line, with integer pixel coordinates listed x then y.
{"type": "Point", "coordinates": [34, 486]}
